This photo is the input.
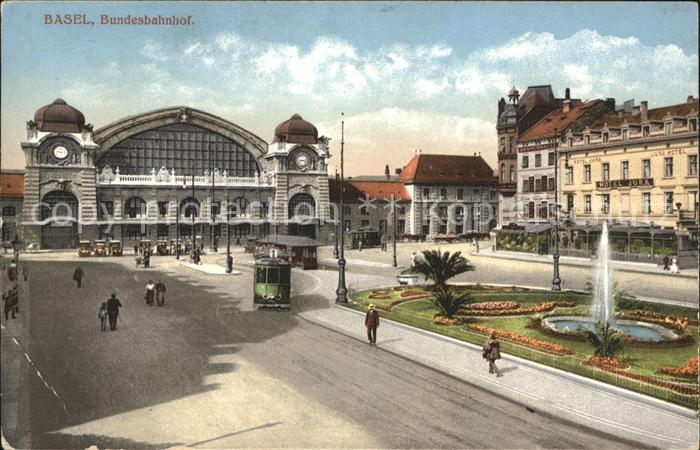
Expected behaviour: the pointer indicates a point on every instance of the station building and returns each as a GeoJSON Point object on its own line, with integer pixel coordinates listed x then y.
{"type": "Point", "coordinates": [149, 175]}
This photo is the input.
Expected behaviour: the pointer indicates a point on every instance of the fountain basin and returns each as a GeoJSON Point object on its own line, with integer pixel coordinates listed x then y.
{"type": "Point", "coordinates": [640, 331]}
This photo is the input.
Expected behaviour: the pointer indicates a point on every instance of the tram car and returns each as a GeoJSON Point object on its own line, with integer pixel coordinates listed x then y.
{"type": "Point", "coordinates": [369, 237]}
{"type": "Point", "coordinates": [84, 249]}
{"type": "Point", "coordinates": [100, 248]}
{"type": "Point", "coordinates": [116, 248]}
{"type": "Point", "coordinates": [162, 248]}
{"type": "Point", "coordinates": [272, 283]}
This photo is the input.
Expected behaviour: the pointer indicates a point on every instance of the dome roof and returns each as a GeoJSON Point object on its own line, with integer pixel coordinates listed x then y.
{"type": "Point", "coordinates": [59, 117]}
{"type": "Point", "coordinates": [296, 130]}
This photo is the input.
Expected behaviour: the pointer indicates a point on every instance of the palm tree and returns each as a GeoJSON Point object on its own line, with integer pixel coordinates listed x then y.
{"type": "Point", "coordinates": [447, 302]}
{"type": "Point", "coordinates": [606, 341]}
{"type": "Point", "coordinates": [440, 267]}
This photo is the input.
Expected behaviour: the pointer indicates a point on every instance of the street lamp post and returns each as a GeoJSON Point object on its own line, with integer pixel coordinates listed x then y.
{"type": "Point", "coordinates": [229, 260]}
{"type": "Point", "coordinates": [335, 246]}
{"type": "Point", "coordinates": [393, 230]}
{"type": "Point", "coordinates": [342, 291]}
{"type": "Point", "coordinates": [556, 281]}
{"type": "Point", "coordinates": [478, 226]}
{"type": "Point", "coordinates": [192, 210]}
{"type": "Point", "coordinates": [211, 214]}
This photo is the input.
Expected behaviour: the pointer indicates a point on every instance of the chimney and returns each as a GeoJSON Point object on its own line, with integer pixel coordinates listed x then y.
{"type": "Point", "coordinates": [691, 99]}
{"type": "Point", "coordinates": [644, 110]}
{"type": "Point", "coordinates": [386, 172]}
{"type": "Point", "coordinates": [567, 100]}
{"type": "Point", "coordinates": [567, 94]}
{"type": "Point", "coordinates": [398, 171]}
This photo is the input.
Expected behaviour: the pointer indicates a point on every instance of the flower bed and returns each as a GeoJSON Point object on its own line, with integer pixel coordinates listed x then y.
{"type": "Point", "coordinates": [677, 323]}
{"type": "Point", "coordinates": [544, 307]}
{"type": "Point", "coordinates": [653, 314]}
{"type": "Point", "coordinates": [493, 305]}
{"type": "Point", "coordinates": [380, 295]}
{"type": "Point", "coordinates": [681, 389]}
{"type": "Point", "coordinates": [414, 295]}
{"type": "Point", "coordinates": [690, 370]}
{"type": "Point", "coordinates": [445, 321]}
{"type": "Point", "coordinates": [519, 339]}
{"type": "Point", "coordinates": [602, 362]}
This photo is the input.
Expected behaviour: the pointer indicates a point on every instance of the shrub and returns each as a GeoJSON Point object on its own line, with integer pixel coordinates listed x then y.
{"type": "Point", "coordinates": [606, 341]}
{"type": "Point", "coordinates": [447, 302]}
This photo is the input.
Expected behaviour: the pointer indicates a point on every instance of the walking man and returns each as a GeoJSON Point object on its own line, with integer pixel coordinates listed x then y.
{"type": "Point", "coordinates": [160, 293]}
{"type": "Point", "coordinates": [78, 275]}
{"type": "Point", "coordinates": [413, 259]}
{"type": "Point", "coordinates": [666, 261]}
{"type": "Point", "coordinates": [146, 259]}
{"type": "Point", "coordinates": [11, 303]}
{"type": "Point", "coordinates": [382, 240]}
{"type": "Point", "coordinates": [113, 305]}
{"type": "Point", "coordinates": [492, 352]}
{"type": "Point", "coordinates": [372, 323]}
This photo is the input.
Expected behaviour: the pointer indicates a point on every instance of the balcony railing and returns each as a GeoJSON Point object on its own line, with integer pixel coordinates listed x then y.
{"type": "Point", "coordinates": [165, 178]}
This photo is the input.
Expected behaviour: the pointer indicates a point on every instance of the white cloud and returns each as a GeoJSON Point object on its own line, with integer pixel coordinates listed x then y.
{"type": "Point", "coordinates": [154, 50]}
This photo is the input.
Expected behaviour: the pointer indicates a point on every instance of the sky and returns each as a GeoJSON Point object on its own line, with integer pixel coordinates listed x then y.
{"type": "Point", "coordinates": [406, 76]}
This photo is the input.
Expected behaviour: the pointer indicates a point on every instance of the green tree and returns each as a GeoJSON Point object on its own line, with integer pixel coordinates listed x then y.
{"type": "Point", "coordinates": [448, 302]}
{"type": "Point", "coordinates": [606, 341]}
{"type": "Point", "coordinates": [440, 267]}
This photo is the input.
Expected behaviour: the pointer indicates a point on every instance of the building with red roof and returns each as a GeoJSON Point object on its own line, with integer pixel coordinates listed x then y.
{"type": "Point", "coordinates": [536, 155]}
{"type": "Point", "coordinates": [435, 195]}
{"type": "Point", "coordinates": [636, 166]}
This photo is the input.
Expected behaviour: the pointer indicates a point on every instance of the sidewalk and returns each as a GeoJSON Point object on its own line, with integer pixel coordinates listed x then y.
{"type": "Point", "coordinates": [545, 390]}
{"type": "Point", "coordinates": [623, 266]}
{"type": "Point", "coordinates": [211, 269]}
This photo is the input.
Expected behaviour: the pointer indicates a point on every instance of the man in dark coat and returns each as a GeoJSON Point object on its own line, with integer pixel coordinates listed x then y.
{"type": "Point", "coordinates": [371, 323]}
{"type": "Point", "coordinates": [492, 352]}
{"type": "Point", "coordinates": [11, 302]}
{"type": "Point", "coordinates": [666, 260]}
{"type": "Point", "coordinates": [160, 293]}
{"type": "Point", "coordinates": [146, 259]}
{"type": "Point", "coordinates": [113, 305]}
{"type": "Point", "coordinates": [78, 275]}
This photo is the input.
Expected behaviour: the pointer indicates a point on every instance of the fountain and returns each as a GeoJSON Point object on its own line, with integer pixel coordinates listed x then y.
{"type": "Point", "coordinates": [603, 310]}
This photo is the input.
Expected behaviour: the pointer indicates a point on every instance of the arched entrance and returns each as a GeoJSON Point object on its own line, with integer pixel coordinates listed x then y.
{"type": "Point", "coordinates": [60, 210]}
{"type": "Point", "coordinates": [302, 215]}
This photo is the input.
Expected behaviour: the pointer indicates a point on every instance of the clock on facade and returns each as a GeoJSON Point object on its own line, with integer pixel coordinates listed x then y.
{"type": "Point", "coordinates": [60, 152]}
{"type": "Point", "coordinates": [302, 161]}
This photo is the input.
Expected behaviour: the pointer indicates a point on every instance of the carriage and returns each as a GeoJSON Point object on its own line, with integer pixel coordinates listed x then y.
{"type": "Point", "coordinates": [84, 249]}
{"type": "Point", "coordinates": [100, 248]}
{"type": "Point", "coordinates": [116, 248]}
{"type": "Point", "coordinates": [162, 248]}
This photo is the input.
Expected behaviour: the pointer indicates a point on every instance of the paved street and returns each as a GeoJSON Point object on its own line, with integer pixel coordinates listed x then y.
{"type": "Point", "coordinates": [208, 371]}
{"type": "Point", "coordinates": [502, 271]}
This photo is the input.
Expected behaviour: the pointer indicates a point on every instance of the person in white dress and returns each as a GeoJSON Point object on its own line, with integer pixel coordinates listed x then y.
{"type": "Point", "coordinates": [674, 265]}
